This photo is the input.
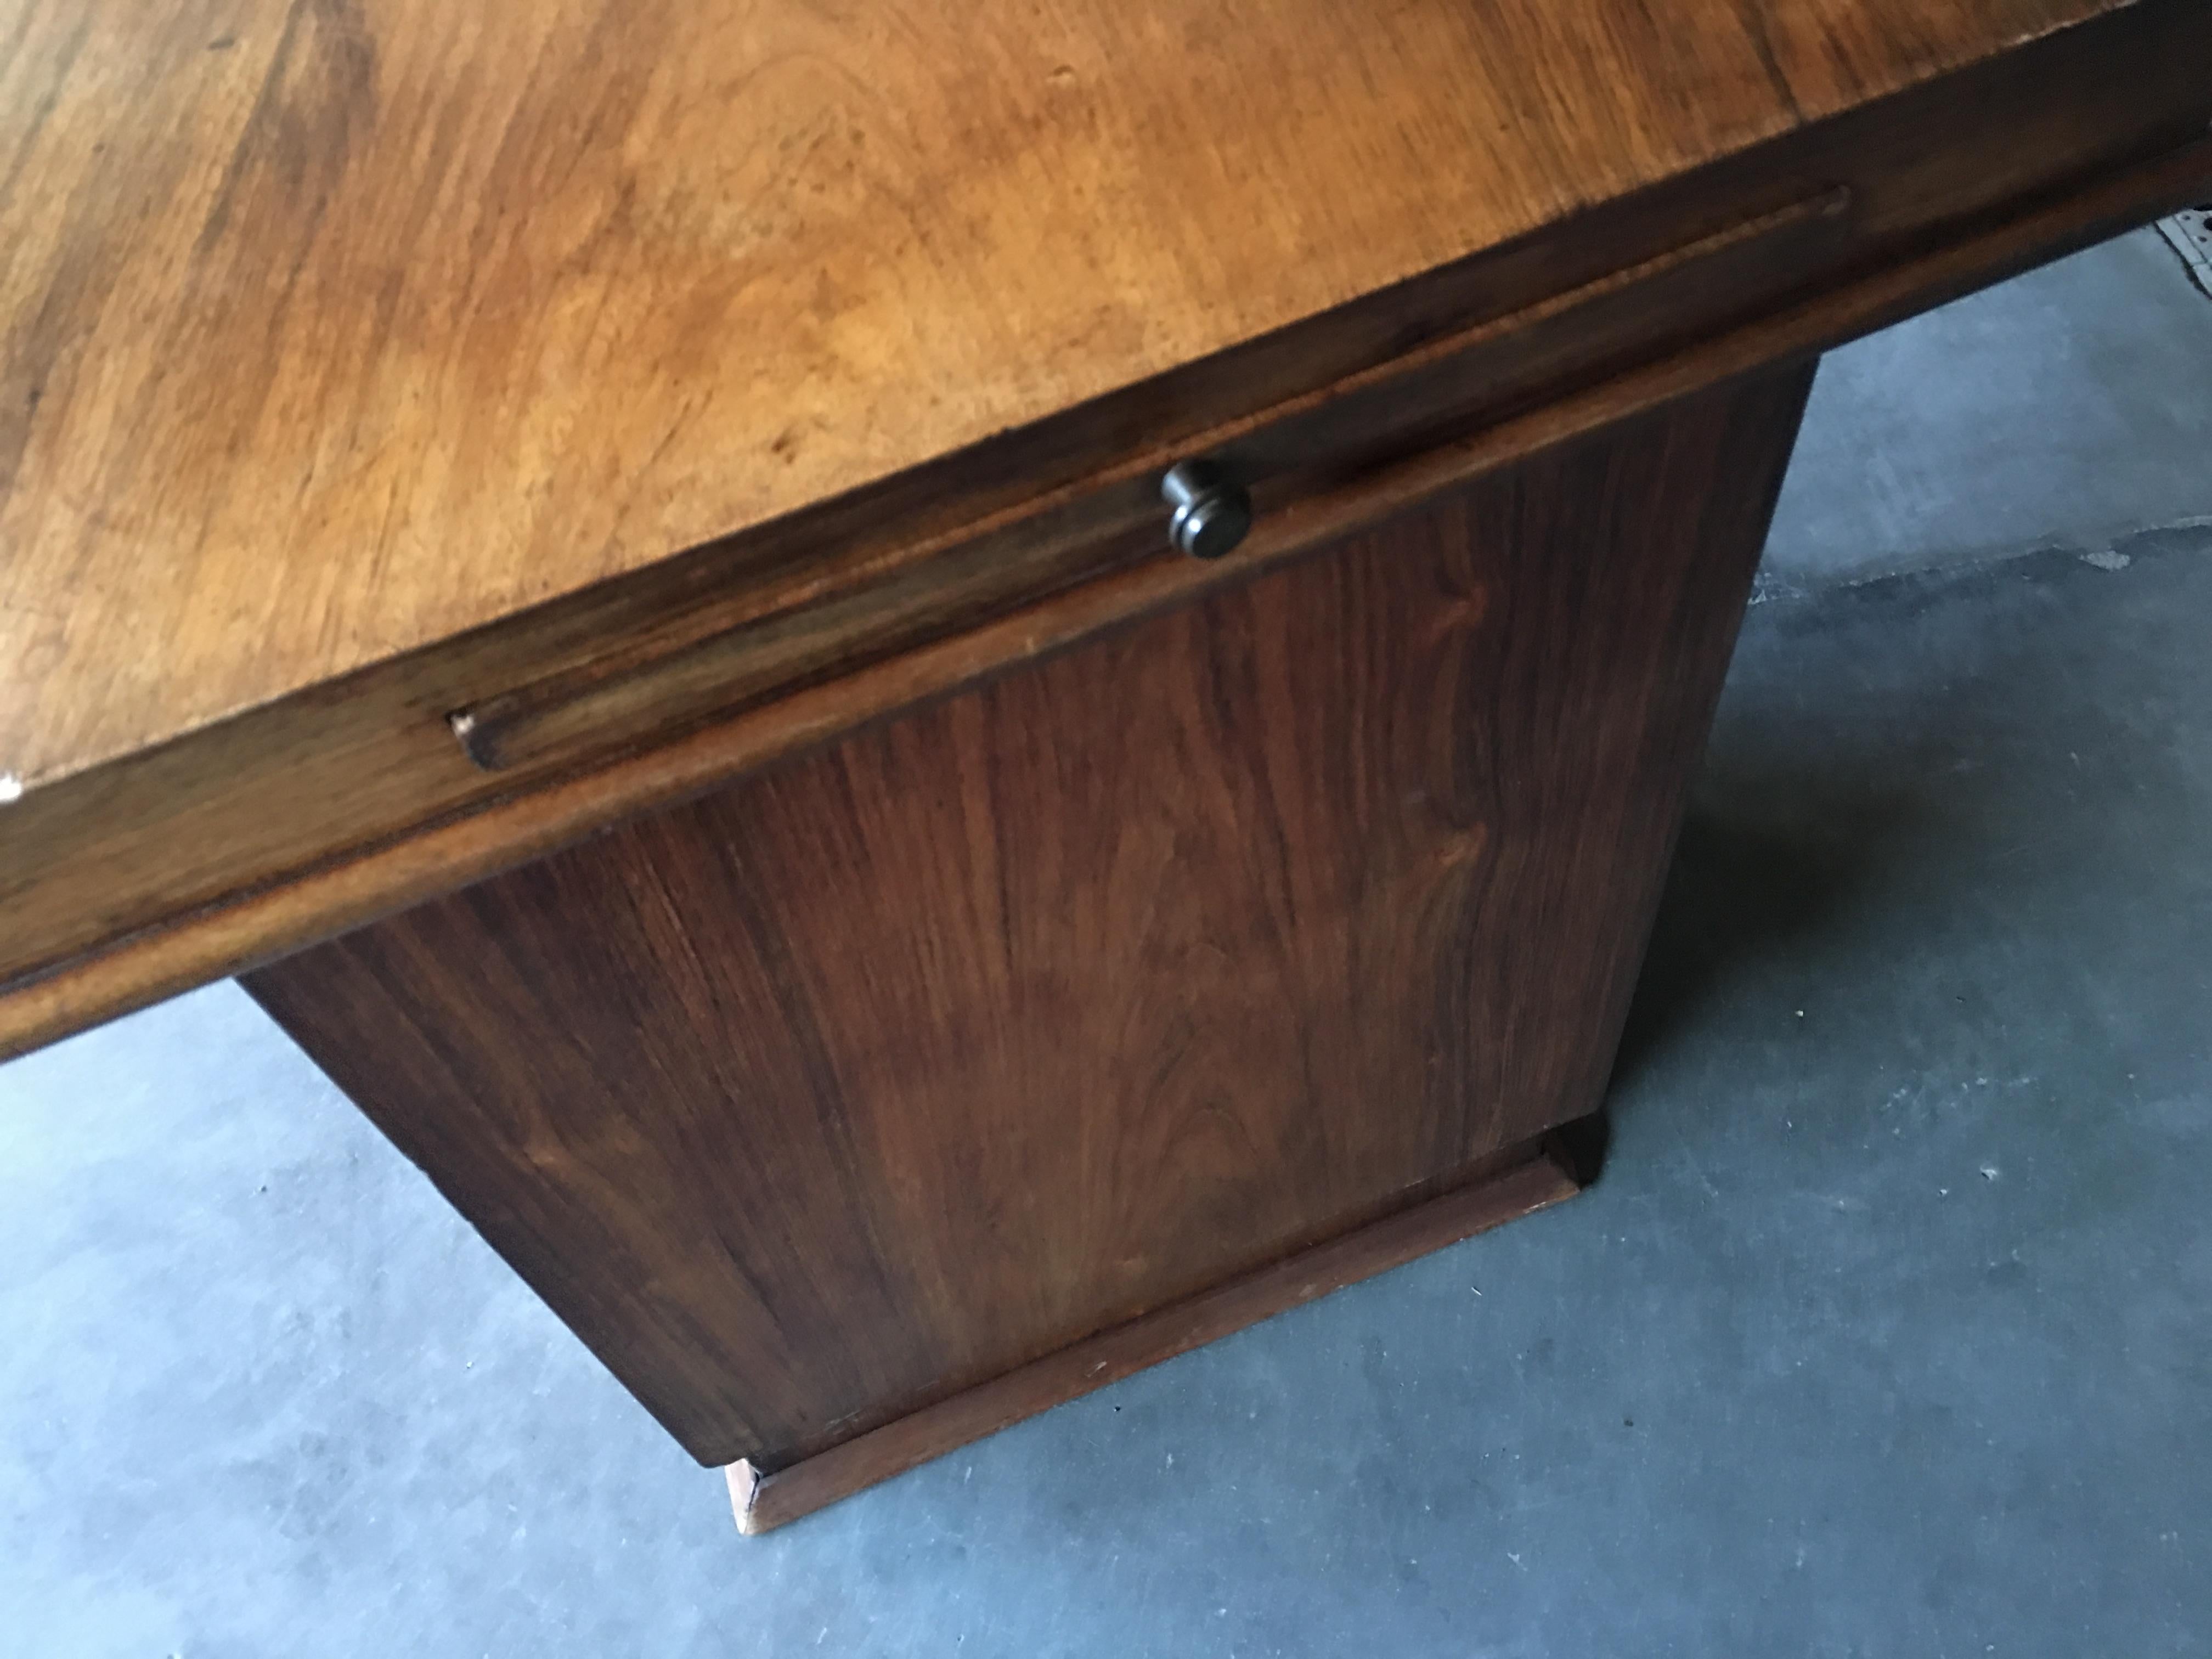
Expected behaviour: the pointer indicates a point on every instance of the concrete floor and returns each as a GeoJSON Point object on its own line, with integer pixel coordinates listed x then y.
{"type": "Point", "coordinates": [1888, 1331]}
{"type": "Point", "coordinates": [2069, 407]}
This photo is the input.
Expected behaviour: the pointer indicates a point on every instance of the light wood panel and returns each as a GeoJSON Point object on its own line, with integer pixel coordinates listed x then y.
{"type": "Point", "coordinates": [337, 327]}
{"type": "Point", "coordinates": [876, 1076]}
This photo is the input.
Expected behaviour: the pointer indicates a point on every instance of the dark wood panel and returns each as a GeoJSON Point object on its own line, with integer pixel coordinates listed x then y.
{"type": "Point", "coordinates": [864, 1080]}
{"type": "Point", "coordinates": [764, 1499]}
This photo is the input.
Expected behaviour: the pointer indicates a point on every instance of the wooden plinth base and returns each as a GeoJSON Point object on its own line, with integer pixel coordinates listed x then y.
{"type": "Point", "coordinates": [765, 1500]}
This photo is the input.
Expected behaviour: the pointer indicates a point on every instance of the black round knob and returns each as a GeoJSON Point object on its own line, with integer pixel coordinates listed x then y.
{"type": "Point", "coordinates": [1211, 511]}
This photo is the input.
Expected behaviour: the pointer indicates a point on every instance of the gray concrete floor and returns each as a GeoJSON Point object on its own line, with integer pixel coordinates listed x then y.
{"type": "Point", "coordinates": [1888, 1329]}
{"type": "Point", "coordinates": [2069, 407]}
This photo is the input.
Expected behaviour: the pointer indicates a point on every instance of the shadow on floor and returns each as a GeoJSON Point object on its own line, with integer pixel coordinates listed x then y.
{"type": "Point", "coordinates": [1911, 780]}
{"type": "Point", "coordinates": [1739, 891]}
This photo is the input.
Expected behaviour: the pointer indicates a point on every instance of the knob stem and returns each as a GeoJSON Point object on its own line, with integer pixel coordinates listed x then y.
{"type": "Point", "coordinates": [1213, 512]}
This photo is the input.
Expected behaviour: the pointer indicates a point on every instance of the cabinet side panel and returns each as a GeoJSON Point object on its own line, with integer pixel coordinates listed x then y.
{"type": "Point", "coordinates": [871, 1077]}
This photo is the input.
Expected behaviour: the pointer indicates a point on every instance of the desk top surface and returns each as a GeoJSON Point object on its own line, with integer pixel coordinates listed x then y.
{"type": "Point", "coordinates": [333, 328]}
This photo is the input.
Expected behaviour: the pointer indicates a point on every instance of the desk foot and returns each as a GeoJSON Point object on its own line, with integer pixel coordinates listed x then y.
{"type": "Point", "coordinates": [767, 1499]}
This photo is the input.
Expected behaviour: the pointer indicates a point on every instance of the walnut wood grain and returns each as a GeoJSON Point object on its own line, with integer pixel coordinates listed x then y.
{"type": "Point", "coordinates": [764, 1499]}
{"type": "Point", "coordinates": [215, 855]}
{"type": "Point", "coordinates": [272, 514]}
{"type": "Point", "coordinates": [335, 328]}
{"type": "Point", "coordinates": [873, 1077]}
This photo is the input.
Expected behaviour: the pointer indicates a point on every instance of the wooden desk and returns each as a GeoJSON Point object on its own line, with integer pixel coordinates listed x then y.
{"type": "Point", "coordinates": [611, 561]}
